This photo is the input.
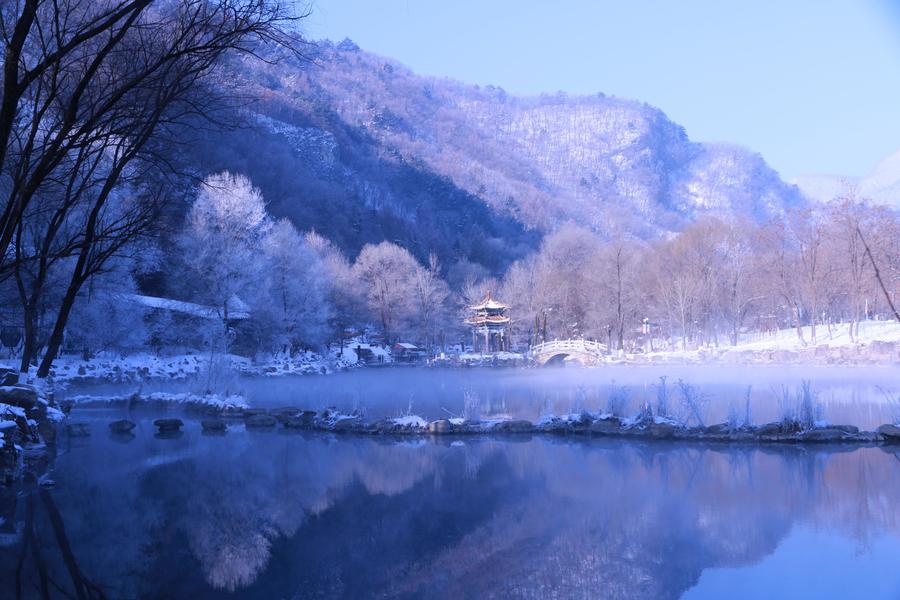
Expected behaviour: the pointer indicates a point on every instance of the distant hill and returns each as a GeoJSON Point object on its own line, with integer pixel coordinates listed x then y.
{"type": "Point", "coordinates": [362, 149]}
{"type": "Point", "coordinates": [882, 185]}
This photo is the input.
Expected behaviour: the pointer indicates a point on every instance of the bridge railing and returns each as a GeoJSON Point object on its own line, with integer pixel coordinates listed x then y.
{"type": "Point", "coordinates": [586, 346]}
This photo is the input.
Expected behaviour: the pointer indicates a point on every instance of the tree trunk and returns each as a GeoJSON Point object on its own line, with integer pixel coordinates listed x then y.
{"type": "Point", "coordinates": [29, 339]}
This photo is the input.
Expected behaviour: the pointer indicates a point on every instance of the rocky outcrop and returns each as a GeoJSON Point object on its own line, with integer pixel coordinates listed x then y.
{"type": "Point", "coordinates": [586, 424]}
{"type": "Point", "coordinates": [28, 419]}
{"type": "Point", "coordinates": [890, 433]}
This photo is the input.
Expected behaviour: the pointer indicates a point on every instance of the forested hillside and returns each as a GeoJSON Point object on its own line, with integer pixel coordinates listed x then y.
{"type": "Point", "coordinates": [362, 150]}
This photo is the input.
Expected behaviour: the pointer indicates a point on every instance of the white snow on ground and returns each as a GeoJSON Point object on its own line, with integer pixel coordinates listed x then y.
{"type": "Point", "coordinates": [786, 339]}
{"type": "Point", "coordinates": [836, 337]}
{"type": "Point", "coordinates": [239, 310]}
{"type": "Point", "coordinates": [501, 356]}
{"type": "Point", "coordinates": [215, 400]}
{"type": "Point", "coordinates": [144, 366]}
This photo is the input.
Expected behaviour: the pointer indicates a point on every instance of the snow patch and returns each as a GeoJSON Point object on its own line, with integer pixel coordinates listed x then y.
{"type": "Point", "coordinates": [411, 421]}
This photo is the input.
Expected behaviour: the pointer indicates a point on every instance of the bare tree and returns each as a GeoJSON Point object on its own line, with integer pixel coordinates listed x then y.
{"type": "Point", "coordinates": [77, 74]}
{"type": "Point", "coordinates": [99, 89]}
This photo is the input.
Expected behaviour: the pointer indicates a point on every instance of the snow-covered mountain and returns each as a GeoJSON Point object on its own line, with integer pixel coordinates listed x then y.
{"type": "Point", "coordinates": [882, 185]}
{"type": "Point", "coordinates": [361, 149]}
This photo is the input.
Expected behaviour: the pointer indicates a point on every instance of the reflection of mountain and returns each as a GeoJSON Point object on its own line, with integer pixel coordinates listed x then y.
{"type": "Point", "coordinates": [289, 516]}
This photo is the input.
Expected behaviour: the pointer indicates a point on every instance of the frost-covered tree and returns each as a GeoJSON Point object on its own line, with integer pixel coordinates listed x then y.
{"type": "Point", "coordinates": [387, 274]}
{"type": "Point", "coordinates": [294, 307]}
{"type": "Point", "coordinates": [222, 242]}
{"type": "Point", "coordinates": [104, 319]}
{"type": "Point", "coordinates": [345, 296]}
{"type": "Point", "coordinates": [430, 297]}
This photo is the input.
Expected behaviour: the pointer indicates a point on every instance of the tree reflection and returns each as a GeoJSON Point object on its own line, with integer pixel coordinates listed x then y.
{"type": "Point", "coordinates": [272, 515]}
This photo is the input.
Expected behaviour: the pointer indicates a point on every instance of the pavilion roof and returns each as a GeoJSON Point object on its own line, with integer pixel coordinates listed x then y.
{"type": "Point", "coordinates": [488, 304]}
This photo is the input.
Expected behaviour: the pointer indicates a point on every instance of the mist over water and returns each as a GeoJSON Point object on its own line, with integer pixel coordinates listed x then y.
{"type": "Point", "coordinates": [862, 396]}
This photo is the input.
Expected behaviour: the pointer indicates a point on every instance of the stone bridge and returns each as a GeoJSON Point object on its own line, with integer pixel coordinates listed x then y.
{"type": "Point", "coordinates": [584, 351]}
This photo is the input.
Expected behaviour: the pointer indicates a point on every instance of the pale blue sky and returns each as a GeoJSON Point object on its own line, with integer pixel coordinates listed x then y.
{"type": "Point", "coordinates": [814, 85]}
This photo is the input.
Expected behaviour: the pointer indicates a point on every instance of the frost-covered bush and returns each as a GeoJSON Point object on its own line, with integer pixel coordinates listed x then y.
{"type": "Point", "coordinates": [617, 400]}
{"type": "Point", "coordinates": [693, 402]}
{"type": "Point", "coordinates": [801, 409]}
{"type": "Point", "coordinates": [810, 410]}
{"type": "Point", "coordinates": [662, 398]}
{"type": "Point", "coordinates": [471, 406]}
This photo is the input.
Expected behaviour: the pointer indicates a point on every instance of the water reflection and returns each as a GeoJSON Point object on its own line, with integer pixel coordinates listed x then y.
{"type": "Point", "coordinates": [271, 515]}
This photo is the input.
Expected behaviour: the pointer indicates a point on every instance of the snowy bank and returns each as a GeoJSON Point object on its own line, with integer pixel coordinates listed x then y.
{"type": "Point", "coordinates": [215, 402]}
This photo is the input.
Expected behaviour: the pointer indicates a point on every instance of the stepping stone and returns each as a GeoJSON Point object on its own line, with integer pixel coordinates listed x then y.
{"type": "Point", "coordinates": [168, 425]}
{"type": "Point", "coordinates": [121, 426]}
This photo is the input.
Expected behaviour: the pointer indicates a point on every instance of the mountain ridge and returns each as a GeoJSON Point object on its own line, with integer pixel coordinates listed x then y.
{"type": "Point", "coordinates": [364, 135]}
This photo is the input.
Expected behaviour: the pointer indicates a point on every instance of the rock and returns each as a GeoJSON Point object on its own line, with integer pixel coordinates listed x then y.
{"type": "Point", "coordinates": [252, 412]}
{"type": "Point", "coordinates": [557, 426]}
{"type": "Point", "coordinates": [304, 420]}
{"type": "Point", "coordinates": [214, 425]}
{"type": "Point", "coordinates": [383, 427]}
{"type": "Point", "coordinates": [168, 425]}
{"type": "Point", "coordinates": [605, 426]}
{"type": "Point", "coordinates": [662, 430]}
{"type": "Point", "coordinates": [852, 429]}
{"type": "Point", "coordinates": [769, 429]}
{"type": "Point", "coordinates": [824, 434]}
{"type": "Point", "coordinates": [8, 377]}
{"type": "Point", "coordinates": [345, 424]}
{"type": "Point", "coordinates": [440, 426]}
{"type": "Point", "coordinates": [515, 426]}
{"type": "Point", "coordinates": [23, 396]}
{"type": "Point", "coordinates": [121, 426]}
{"type": "Point", "coordinates": [78, 429]}
{"type": "Point", "coordinates": [285, 413]}
{"type": "Point", "coordinates": [718, 429]}
{"type": "Point", "coordinates": [890, 433]}
{"type": "Point", "coordinates": [261, 420]}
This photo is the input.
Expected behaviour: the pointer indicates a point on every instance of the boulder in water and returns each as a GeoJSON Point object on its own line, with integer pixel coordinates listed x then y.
{"type": "Point", "coordinates": [78, 429]}
{"type": "Point", "coordinates": [122, 426]}
{"type": "Point", "coordinates": [168, 425]}
{"type": "Point", "coordinates": [440, 426]}
{"type": "Point", "coordinates": [214, 425]}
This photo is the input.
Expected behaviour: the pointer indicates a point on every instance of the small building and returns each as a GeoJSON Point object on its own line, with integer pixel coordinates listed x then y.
{"type": "Point", "coordinates": [488, 322]}
{"type": "Point", "coordinates": [406, 352]}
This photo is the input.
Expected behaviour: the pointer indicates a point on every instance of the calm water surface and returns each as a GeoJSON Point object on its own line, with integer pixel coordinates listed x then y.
{"type": "Point", "coordinates": [278, 515]}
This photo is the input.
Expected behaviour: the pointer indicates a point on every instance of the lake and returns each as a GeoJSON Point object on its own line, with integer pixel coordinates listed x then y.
{"type": "Point", "coordinates": [271, 514]}
{"type": "Point", "coordinates": [862, 396]}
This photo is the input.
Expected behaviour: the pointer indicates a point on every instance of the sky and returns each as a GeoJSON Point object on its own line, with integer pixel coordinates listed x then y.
{"type": "Point", "coordinates": [813, 85]}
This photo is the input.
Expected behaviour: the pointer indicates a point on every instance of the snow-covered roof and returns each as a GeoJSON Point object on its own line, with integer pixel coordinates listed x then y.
{"type": "Point", "coordinates": [238, 309]}
{"type": "Point", "coordinates": [488, 304]}
{"type": "Point", "coordinates": [406, 346]}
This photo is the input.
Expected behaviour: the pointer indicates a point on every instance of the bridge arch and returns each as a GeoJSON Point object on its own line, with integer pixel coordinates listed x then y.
{"type": "Point", "coordinates": [585, 352]}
